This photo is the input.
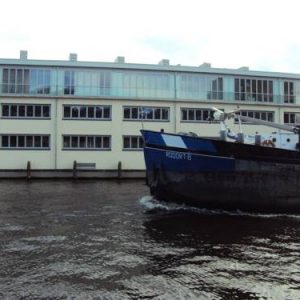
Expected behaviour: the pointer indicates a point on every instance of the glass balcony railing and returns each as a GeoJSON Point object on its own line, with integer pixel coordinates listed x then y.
{"type": "Point", "coordinates": [22, 89]}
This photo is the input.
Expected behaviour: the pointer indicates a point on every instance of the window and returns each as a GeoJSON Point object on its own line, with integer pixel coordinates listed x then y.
{"type": "Point", "coordinates": [146, 113]}
{"type": "Point", "coordinates": [105, 82]}
{"type": "Point", "coordinates": [32, 111]}
{"type": "Point", "coordinates": [5, 141]}
{"type": "Point", "coordinates": [86, 142]}
{"type": "Point", "coordinates": [248, 89]}
{"type": "Point", "coordinates": [195, 86]}
{"type": "Point", "coordinates": [146, 84]}
{"type": "Point", "coordinates": [289, 96]}
{"type": "Point", "coordinates": [290, 117]}
{"type": "Point", "coordinates": [13, 110]}
{"type": "Point", "coordinates": [37, 142]}
{"type": "Point", "coordinates": [196, 114]}
{"type": "Point", "coordinates": [39, 81]}
{"type": "Point", "coordinates": [25, 81]}
{"type": "Point", "coordinates": [260, 115]}
{"type": "Point", "coordinates": [38, 111]}
{"type": "Point", "coordinates": [69, 83]}
{"type": "Point", "coordinates": [46, 111]}
{"type": "Point", "coordinates": [217, 88]}
{"type": "Point", "coordinates": [21, 111]}
{"type": "Point", "coordinates": [5, 110]}
{"type": "Point", "coordinates": [82, 112]}
{"type": "Point", "coordinates": [133, 142]}
{"type": "Point", "coordinates": [89, 112]}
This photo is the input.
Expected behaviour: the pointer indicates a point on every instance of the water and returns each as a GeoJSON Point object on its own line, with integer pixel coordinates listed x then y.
{"type": "Point", "coordinates": [111, 240]}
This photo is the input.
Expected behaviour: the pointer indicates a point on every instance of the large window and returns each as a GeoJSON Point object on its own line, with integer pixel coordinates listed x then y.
{"type": "Point", "coordinates": [105, 83]}
{"type": "Point", "coordinates": [146, 84]}
{"type": "Point", "coordinates": [146, 113]}
{"type": "Point", "coordinates": [87, 112]}
{"type": "Point", "coordinates": [290, 117]}
{"type": "Point", "coordinates": [248, 89]}
{"type": "Point", "coordinates": [289, 95]}
{"type": "Point", "coordinates": [69, 83]}
{"type": "Point", "coordinates": [25, 81]}
{"type": "Point", "coordinates": [86, 142]}
{"type": "Point", "coordinates": [87, 83]}
{"type": "Point", "coordinates": [195, 86]}
{"type": "Point", "coordinates": [260, 115]}
{"type": "Point", "coordinates": [26, 142]}
{"type": "Point", "coordinates": [23, 111]}
{"type": "Point", "coordinates": [133, 142]}
{"type": "Point", "coordinates": [195, 114]}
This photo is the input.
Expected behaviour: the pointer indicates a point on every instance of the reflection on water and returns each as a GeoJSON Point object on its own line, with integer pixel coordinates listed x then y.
{"type": "Point", "coordinates": [111, 240]}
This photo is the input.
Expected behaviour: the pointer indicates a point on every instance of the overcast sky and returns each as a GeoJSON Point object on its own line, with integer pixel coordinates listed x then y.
{"type": "Point", "coordinates": [261, 34]}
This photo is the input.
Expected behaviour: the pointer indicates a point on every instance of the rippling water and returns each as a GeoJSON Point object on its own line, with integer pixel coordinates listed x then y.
{"type": "Point", "coordinates": [111, 240]}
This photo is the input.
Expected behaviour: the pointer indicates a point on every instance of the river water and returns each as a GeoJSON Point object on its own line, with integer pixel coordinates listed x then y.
{"type": "Point", "coordinates": [63, 239]}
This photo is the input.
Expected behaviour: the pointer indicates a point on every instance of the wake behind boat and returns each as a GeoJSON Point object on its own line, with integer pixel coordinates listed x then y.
{"type": "Point", "coordinates": [260, 176]}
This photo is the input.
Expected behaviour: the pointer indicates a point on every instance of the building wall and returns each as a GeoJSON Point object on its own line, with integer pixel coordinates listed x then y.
{"type": "Point", "coordinates": [58, 158]}
{"type": "Point", "coordinates": [176, 90]}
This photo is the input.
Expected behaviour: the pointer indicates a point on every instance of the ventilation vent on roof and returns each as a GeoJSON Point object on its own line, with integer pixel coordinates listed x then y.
{"type": "Point", "coordinates": [73, 57]}
{"type": "Point", "coordinates": [120, 60]}
{"type": "Point", "coordinates": [205, 65]}
{"type": "Point", "coordinates": [164, 62]}
{"type": "Point", "coordinates": [244, 68]}
{"type": "Point", "coordinates": [23, 54]}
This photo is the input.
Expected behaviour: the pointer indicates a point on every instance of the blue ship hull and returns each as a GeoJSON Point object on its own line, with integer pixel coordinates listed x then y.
{"type": "Point", "coordinates": [216, 174]}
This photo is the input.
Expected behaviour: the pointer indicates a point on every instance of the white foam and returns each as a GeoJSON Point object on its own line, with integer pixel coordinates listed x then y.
{"type": "Point", "coordinates": [151, 204]}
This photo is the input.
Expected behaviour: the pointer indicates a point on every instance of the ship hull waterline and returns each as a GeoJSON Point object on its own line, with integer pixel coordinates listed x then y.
{"type": "Point", "coordinates": [226, 183]}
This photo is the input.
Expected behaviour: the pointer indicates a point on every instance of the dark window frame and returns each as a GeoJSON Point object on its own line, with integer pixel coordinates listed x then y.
{"type": "Point", "coordinates": [128, 141]}
{"type": "Point", "coordinates": [105, 115]}
{"type": "Point", "coordinates": [90, 142]}
{"type": "Point", "coordinates": [146, 113]}
{"type": "Point", "coordinates": [30, 111]}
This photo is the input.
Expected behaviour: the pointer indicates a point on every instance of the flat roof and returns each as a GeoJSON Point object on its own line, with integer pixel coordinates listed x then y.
{"type": "Point", "coordinates": [202, 69]}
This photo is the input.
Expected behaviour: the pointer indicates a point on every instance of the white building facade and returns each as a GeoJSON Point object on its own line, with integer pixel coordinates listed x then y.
{"type": "Point", "coordinates": [56, 112]}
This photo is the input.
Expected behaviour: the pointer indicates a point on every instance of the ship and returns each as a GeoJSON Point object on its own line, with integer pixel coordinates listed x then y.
{"type": "Point", "coordinates": [233, 172]}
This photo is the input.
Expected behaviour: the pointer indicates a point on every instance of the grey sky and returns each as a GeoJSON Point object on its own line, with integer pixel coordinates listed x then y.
{"type": "Point", "coordinates": [261, 34]}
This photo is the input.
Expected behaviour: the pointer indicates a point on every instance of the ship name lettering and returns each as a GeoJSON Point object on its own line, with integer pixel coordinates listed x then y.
{"type": "Point", "coordinates": [178, 155]}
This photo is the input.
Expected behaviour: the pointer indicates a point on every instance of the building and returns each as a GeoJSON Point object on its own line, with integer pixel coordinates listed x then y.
{"type": "Point", "coordinates": [56, 112]}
